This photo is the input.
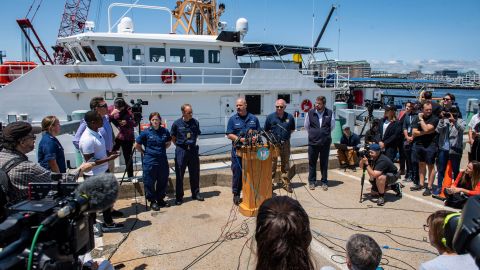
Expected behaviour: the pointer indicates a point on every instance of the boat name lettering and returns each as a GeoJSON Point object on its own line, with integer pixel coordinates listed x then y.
{"type": "Point", "coordinates": [90, 75]}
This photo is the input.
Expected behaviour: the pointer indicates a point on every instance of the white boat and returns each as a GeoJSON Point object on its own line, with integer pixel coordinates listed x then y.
{"type": "Point", "coordinates": [167, 70]}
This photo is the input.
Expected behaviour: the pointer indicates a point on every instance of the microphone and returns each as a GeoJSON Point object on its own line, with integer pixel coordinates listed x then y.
{"type": "Point", "coordinates": [96, 193]}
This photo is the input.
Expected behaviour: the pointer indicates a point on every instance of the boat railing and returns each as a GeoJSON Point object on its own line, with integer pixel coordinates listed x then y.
{"type": "Point", "coordinates": [9, 73]}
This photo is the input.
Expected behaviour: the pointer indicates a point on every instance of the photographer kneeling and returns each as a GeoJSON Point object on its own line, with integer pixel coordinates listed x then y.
{"type": "Point", "coordinates": [383, 173]}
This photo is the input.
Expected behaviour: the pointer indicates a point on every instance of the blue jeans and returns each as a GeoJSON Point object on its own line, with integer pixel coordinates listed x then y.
{"type": "Point", "coordinates": [443, 158]}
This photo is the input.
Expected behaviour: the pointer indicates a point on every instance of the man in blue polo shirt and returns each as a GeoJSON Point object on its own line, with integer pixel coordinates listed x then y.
{"type": "Point", "coordinates": [281, 124]}
{"type": "Point", "coordinates": [239, 125]}
{"type": "Point", "coordinates": [185, 132]}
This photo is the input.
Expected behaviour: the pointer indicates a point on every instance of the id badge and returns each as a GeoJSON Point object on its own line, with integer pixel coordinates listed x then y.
{"type": "Point", "coordinates": [189, 135]}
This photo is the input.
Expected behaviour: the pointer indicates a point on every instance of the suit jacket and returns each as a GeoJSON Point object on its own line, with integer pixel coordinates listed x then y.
{"type": "Point", "coordinates": [392, 134]}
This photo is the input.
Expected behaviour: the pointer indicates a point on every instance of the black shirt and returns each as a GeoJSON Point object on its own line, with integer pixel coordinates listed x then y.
{"type": "Point", "coordinates": [427, 138]}
{"type": "Point", "coordinates": [385, 165]}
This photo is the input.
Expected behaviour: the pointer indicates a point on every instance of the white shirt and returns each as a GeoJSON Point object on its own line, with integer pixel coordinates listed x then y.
{"type": "Point", "coordinates": [306, 124]}
{"type": "Point", "coordinates": [385, 126]}
{"type": "Point", "coordinates": [474, 121]}
{"type": "Point", "coordinates": [92, 142]}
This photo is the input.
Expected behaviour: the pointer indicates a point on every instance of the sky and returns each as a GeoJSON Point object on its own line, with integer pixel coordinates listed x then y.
{"type": "Point", "coordinates": [393, 35]}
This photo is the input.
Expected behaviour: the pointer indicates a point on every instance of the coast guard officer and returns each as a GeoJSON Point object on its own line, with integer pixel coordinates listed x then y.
{"type": "Point", "coordinates": [281, 124]}
{"type": "Point", "coordinates": [185, 132]}
{"type": "Point", "coordinates": [238, 125]}
{"type": "Point", "coordinates": [155, 141]}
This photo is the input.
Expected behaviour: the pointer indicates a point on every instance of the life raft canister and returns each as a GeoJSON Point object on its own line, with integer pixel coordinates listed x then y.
{"type": "Point", "coordinates": [11, 70]}
{"type": "Point", "coordinates": [169, 76]}
{"type": "Point", "coordinates": [306, 105]}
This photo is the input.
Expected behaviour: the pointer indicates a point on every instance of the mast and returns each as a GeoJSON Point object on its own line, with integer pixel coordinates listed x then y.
{"type": "Point", "coordinates": [198, 17]}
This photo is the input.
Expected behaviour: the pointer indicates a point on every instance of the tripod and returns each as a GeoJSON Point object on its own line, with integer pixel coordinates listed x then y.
{"type": "Point", "coordinates": [368, 120]}
{"type": "Point", "coordinates": [362, 182]}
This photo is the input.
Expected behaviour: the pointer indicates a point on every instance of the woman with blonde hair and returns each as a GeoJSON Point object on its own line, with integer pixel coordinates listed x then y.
{"type": "Point", "coordinates": [50, 153]}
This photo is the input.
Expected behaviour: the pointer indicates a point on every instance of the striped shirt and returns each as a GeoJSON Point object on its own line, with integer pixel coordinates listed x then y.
{"type": "Point", "coordinates": [22, 174]}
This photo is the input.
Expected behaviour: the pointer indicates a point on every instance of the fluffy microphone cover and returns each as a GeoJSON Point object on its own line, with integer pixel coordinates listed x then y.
{"type": "Point", "coordinates": [101, 190]}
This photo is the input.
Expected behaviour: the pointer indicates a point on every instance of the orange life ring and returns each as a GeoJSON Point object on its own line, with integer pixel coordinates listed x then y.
{"type": "Point", "coordinates": [306, 105]}
{"type": "Point", "coordinates": [169, 76]}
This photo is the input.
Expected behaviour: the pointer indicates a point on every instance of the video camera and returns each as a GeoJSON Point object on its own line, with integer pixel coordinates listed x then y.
{"type": "Point", "coordinates": [137, 109]}
{"type": "Point", "coordinates": [372, 105]}
{"type": "Point", "coordinates": [365, 151]}
{"type": "Point", "coordinates": [467, 235]}
{"type": "Point", "coordinates": [51, 232]}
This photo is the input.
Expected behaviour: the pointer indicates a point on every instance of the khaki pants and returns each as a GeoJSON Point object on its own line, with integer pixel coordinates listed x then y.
{"type": "Point", "coordinates": [284, 153]}
{"type": "Point", "coordinates": [348, 156]}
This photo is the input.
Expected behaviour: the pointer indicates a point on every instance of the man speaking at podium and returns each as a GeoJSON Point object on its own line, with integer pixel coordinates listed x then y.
{"type": "Point", "coordinates": [239, 125]}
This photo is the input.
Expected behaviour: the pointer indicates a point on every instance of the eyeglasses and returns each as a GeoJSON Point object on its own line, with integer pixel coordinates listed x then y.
{"type": "Point", "coordinates": [426, 227]}
{"type": "Point", "coordinates": [279, 107]}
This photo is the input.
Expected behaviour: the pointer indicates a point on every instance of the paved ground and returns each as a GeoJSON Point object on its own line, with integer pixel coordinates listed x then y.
{"type": "Point", "coordinates": [213, 235]}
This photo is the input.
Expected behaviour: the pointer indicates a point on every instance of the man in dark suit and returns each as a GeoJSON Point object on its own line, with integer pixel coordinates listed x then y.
{"type": "Point", "coordinates": [389, 133]}
{"type": "Point", "coordinates": [319, 123]}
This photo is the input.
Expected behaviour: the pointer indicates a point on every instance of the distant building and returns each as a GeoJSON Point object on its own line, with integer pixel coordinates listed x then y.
{"type": "Point", "coordinates": [416, 74]}
{"type": "Point", "coordinates": [355, 69]}
{"type": "Point", "coordinates": [470, 78]}
{"type": "Point", "coordinates": [447, 73]}
{"type": "Point", "coordinates": [385, 74]}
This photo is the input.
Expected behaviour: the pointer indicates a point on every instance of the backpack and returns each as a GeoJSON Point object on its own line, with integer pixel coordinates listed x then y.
{"type": "Point", "coordinates": [5, 183]}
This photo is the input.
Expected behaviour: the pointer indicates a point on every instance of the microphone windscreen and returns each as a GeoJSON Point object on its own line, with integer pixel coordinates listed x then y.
{"type": "Point", "coordinates": [101, 190]}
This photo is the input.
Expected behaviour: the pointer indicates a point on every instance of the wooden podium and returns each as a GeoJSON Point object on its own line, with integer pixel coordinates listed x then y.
{"type": "Point", "coordinates": [256, 176]}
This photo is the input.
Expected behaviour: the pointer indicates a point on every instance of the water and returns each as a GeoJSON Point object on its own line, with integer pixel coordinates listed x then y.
{"type": "Point", "coordinates": [461, 95]}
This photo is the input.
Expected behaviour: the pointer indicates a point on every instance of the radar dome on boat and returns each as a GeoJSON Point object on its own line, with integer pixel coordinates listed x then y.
{"type": "Point", "coordinates": [242, 26]}
{"type": "Point", "coordinates": [125, 25]}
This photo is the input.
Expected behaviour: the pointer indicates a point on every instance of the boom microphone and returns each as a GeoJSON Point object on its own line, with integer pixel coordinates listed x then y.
{"type": "Point", "coordinates": [96, 193]}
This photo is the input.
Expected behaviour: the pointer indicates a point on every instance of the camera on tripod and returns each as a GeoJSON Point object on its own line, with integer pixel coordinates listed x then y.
{"type": "Point", "coordinates": [365, 151]}
{"type": "Point", "coordinates": [372, 105]}
{"type": "Point", "coordinates": [137, 109]}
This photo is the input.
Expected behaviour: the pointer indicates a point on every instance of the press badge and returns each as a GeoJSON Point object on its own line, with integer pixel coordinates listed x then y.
{"type": "Point", "coordinates": [188, 135]}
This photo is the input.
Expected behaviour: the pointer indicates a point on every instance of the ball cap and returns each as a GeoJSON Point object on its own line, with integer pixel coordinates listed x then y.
{"type": "Point", "coordinates": [375, 147]}
{"type": "Point", "coordinates": [17, 130]}
{"type": "Point", "coordinates": [390, 108]}
{"type": "Point", "coordinates": [345, 127]}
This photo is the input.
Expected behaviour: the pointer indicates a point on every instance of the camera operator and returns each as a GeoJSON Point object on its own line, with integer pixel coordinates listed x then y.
{"type": "Point", "coordinates": [450, 141]}
{"type": "Point", "coordinates": [474, 138]}
{"type": "Point", "coordinates": [18, 140]}
{"type": "Point", "coordinates": [383, 173]}
{"type": "Point", "coordinates": [449, 103]}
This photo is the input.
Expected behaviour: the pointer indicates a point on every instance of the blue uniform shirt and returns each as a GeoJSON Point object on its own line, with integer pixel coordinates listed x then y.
{"type": "Point", "coordinates": [186, 133]}
{"type": "Point", "coordinates": [280, 127]}
{"type": "Point", "coordinates": [238, 124]}
{"type": "Point", "coordinates": [154, 142]}
{"type": "Point", "coordinates": [51, 149]}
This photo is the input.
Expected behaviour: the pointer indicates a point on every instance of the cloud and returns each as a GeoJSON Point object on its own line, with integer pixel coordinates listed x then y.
{"type": "Point", "coordinates": [426, 66]}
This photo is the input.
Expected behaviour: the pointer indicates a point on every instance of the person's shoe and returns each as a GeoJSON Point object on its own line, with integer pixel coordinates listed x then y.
{"type": "Point", "coordinates": [438, 197]}
{"type": "Point", "coordinates": [354, 168]}
{"type": "Point", "coordinates": [198, 197]}
{"type": "Point", "coordinates": [407, 179]}
{"type": "Point", "coordinates": [381, 201]}
{"type": "Point", "coordinates": [324, 187]}
{"type": "Point", "coordinates": [288, 188]}
{"type": "Point", "coordinates": [163, 203]}
{"type": "Point", "coordinates": [154, 206]}
{"type": "Point", "coordinates": [116, 214]}
{"type": "Point", "coordinates": [402, 172]}
{"type": "Point", "coordinates": [111, 227]}
{"type": "Point", "coordinates": [311, 186]}
{"type": "Point", "coordinates": [97, 230]}
{"type": "Point", "coordinates": [397, 188]}
{"type": "Point", "coordinates": [178, 202]}
{"type": "Point", "coordinates": [436, 191]}
{"type": "Point", "coordinates": [236, 199]}
{"type": "Point", "coordinates": [427, 192]}
{"type": "Point", "coordinates": [416, 188]}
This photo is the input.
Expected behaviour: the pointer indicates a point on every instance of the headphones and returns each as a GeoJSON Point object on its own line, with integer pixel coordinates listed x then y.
{"type": "Point", "coordinates": [449, 228]}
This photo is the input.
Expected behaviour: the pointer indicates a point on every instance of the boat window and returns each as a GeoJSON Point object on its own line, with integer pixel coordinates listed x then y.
{"type": "Point", "coordinates": [157, 55]}
{"type": "Point", "coordinates": [137, 54]}
{"type": "Point", "coordinates": [285, 97]}
{"type": "Point", "coordinates": [78, 55]}
{"type": "Point", "coordinates": [111, 53]}
{"type": "Point", "coordinates": [197, 56]}
{"type": "Point", "coordinates": [177, 55]}
{"type": "Point", "coordinates": [214, 56]}
{"type": "Point", "coordinates": [89, 53]}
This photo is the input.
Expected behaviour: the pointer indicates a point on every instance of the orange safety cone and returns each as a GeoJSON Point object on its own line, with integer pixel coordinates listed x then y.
{"type": "Point", "coordinates": [447, 179]}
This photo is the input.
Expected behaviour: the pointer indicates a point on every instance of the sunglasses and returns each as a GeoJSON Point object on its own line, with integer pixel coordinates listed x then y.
{"type": "Point", "coordinates": [279, 107]}
{"type": "Point", "coordinates": [102, 106]}
{"type": "Point", "coordinates": [446, 99]}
